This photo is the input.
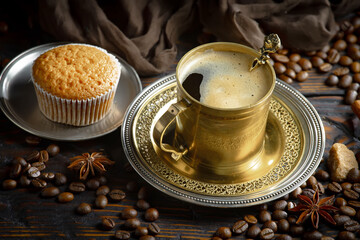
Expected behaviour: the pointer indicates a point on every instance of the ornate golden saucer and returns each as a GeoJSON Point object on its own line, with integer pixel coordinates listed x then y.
{"type": "Point", "coordinates": [295, 140]}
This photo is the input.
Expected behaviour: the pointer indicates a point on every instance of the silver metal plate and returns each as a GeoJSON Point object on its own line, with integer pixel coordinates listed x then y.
{"type": "Point", "coordinates": [304, 114]}
{"type": "Point", "coordinates": [18, 100]}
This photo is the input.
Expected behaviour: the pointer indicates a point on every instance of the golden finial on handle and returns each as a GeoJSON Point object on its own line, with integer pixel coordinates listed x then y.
{"type": "Point", "coordinates": [271, 44]}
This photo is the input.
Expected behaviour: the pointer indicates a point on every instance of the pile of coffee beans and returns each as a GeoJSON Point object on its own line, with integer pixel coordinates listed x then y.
{"type": "Point", "coordinates": [275, 221]}
{"type": "Point", "coordinates": [29, 171]}
{"type": "Point", "coordinates": [339, 60]}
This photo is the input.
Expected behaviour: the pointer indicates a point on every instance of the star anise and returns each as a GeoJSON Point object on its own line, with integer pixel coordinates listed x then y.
{"type": "Point", "coordinates": [87, 163]}
{"type": "Point", "coordinates": [315, 207]}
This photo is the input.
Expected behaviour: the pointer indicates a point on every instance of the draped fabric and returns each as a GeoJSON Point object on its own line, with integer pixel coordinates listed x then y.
{"type": "Point", "coordinates": [144, 32]}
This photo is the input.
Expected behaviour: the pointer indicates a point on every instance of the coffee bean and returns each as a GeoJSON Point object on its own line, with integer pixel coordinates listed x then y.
{"type": "Point", "coordinates": [44, 156]}
{"type": "Point", "coordinates": [279, 214]}
{"type": "Point", "coordinates": [308, 192]}
{"type": "Point", "coordinates": [283, 51]}
{"type": "Point", "coordinates": [77, 187]}
{"type": "Point", "coordinates": [341, 219]}
{"type": "Point", "coordinates": [264, 216]}
{"type": "Point", "coordinates": [142, 205]}
{"type": "Point", "coordinates": [353, 175]}
{"type": "Point", "coordinates": [103, 190]}
{"type": "Point", "coordinates": [294, 66]}
{"type": "Point", "coordinates": [60, 179]}
{"type": "Point", "coordinates": [116, 195]}
{"type": "Point", "coordinates": [50, 192]}
{"type": "Point", "coordinates": [223, 232]}
{"type": "Point", "coordinates": [296, 230]}
{"type": "Point", "coordinates": [355, 67]}
{"type": "Point", "coordinates": [283, 225]}
{"type": "Point", "coordinates": [313, 235]}
{"type": "Point", "coordinates": [65, 197]}
{"type": "Point", "coordinates": [53, 149]}
{"type": "Point", "coordinates": [286, 79]}
{"type": "Point", "coordinates": [33, 156]}
{"type": "Point", "coordinates": [283, 237]}
{"type": "Point", "coordinates": [93, 184]}
{"type": "Point", "coordinates": [121, 234]}
{"type": "Point", "coordinates": [48, 176]}
{"type": "Point", "coordinates": [291, 205]}
{"type": "Point", "coordinates": [302, 76]}
{"type": "Point", "coordinates": [153, 228]}
{"type": "Point", "coordinates": [240, 227]}
{"type": "Point", "coordinates": [39, 165]}
{"type": "Point", "coordinates": [24, 181]}
{"type": "Point", "coordinates": [33, 172]}
{"type": "Point", "coordinates": [332, 80]}
{"type": "Point", "coordinates": [263, 206]}
{"type": "Point", "coordinates": [107, 223]}
{"type": "Point", "coordinates": [294, 57]}
{"type": "Point", "coordinates": [349, 211]}
{"type": "Point", "coordinates": [280, 205]}
{"type": "Point", "coordinates": [345, 61]}
{"type": "Point", "coordinates": [312, 182]}
{"type": "Point", "coordinates": [325, 67]}
{"type": "Point", "coordinates": [341, 71]}
{"type": "Point", "coordinates": [346, 185]}
{"type": "Point", "coordinates": [83, 208]}
{"type": "Point", "coordinates": [9, 184]}
{"type": "Point", "coordinates": [19, 160]}
{"type": "Point", "coordinates": [142, 193]}
{"type": "Point", "coordinates": [346, 235]}
{"type": "Point", "coordinates": [295, 193]}
{"type": "Point", "coordinates": [340, 45]}
{"type": "Point", "coordinates": [15, 171]}
{"type": "Point", "coordinates": [350, 96]}
{"type": "Point", "coordinates": [310, 53]}
{"type": "Point", "coordinates": [141, 231]}
{"type": "Point", "coordinates": [355, 204]}
{"type": "Point", "coordinates": [271, 224]}
{"type": "Point", "coordinates": [129, 213]}
{"type": "Point", "coordinates": [340, 202]}
{"type": "Point", "coordinates": [280, 58]}
{"type": "Point", "coordinates": [356, 77]}
{"type": "Point", "coordinates": [354, 86]}
{"type": "Point", "coordinates": [132, 223]}
{"type": "Point", "coordinates": [352, 226]}
{"type": "Point", "coordinates": [38, 183]}
{"type": "Point", "coordinates": [151, 214]}
{"type": "Point", "coordinates": [253, 231]}
{"type": "Point", "coordinates": [351, 38]}
{"type": "Point", "coordinates": [322, 175]}
{"type": "Point", "coordinates": [101, 201]}
{"type": "Point", "coordinates": [305, 64]}
{"type": "Point", "coordinates": [356, 187]}
{"type": "Point", "coordinates": [351, 194]}
{"type": "Point", "coordinates": [327, 238]}
{"type": "Point", "coordinates": [251, 219]}
{"type": "Point", "coordinates": [279, 68]}
{"type": "Point", "coordinates": [266, 233]}
{"type": "Point", "coordinates": [317, 61]}
{"type": "Point", "coordinates": [333, 56]}
{"type": "Point", "coordinates": [290, 73]}
{"type": "Point", "coordinates": [334, 187]}
{"type": "Point", "coordinates": [33, 140]}
{"type": "Point", "coordinates": [292, 220]}
{"type": "Point", "coordinates": [147, 237]}
{"type": "Point", "coordinates": [132, 186]}
{"type": "Point", "coordinates": [286, 197]}
{"type": "Point", "coordinates": [321, 55]}
{"type": "Point", "coordinates": [102, 180]}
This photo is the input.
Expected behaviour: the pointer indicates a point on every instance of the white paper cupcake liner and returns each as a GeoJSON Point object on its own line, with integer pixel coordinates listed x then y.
{"type": "Point", "coordinates": [76, 112]}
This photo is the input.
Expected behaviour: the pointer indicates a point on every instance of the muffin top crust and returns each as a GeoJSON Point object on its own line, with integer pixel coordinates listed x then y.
{"type": "Point", "coordinates": [76, 71]}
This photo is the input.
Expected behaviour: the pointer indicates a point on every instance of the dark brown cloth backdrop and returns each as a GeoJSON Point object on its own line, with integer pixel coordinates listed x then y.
{"type": "Point", "coordinates": [144, 32]}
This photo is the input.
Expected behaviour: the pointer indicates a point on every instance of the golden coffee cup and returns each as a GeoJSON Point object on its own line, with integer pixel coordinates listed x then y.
{"type": "Point", "coordinates": [216, 143]}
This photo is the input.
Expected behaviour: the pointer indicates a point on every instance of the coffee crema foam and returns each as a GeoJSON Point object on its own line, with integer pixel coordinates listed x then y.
{"type": "Point", "coordinates": [227, 81]}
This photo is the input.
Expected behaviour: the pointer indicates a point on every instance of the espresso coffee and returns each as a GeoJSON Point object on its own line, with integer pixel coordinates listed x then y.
{"type": "Point", "coordinates": [222, 79]}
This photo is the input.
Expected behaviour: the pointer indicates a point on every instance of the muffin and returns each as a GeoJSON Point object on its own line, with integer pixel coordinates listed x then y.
{"type": "Point", "coordinates": [75, 84]}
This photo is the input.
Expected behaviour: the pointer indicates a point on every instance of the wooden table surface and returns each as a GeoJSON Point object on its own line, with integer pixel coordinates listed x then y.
{"type": "Point", "coordinates": [25, 215]}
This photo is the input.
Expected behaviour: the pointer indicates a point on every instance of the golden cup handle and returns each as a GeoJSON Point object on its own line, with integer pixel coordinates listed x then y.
{"type": "Point", "coordinates": [163, 124]}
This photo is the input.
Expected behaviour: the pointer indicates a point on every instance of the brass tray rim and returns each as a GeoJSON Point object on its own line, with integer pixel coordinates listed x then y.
{"type": "Point", "coordinates": [313, 150]}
